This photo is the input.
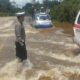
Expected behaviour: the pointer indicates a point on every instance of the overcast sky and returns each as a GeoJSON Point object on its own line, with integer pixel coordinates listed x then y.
{"type": "Point", "coordinates": [21, 3]}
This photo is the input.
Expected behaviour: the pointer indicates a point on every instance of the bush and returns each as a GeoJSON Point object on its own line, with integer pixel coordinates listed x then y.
{"type": "Point", "coordinates": [66, 11]}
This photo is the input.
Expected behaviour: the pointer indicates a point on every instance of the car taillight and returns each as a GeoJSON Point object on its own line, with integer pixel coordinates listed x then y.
{"type": "Point", "coordinates": [77, 26]}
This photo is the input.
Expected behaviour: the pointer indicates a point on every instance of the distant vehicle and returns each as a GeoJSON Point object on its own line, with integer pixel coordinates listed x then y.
{"type": "Point", "coordinates": [76, 29]}
{"type": "Point", "coordinates": [42, 20]}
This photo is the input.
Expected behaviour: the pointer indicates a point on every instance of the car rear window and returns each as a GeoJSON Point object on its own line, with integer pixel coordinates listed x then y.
{"type": "Point", "coordinates": [78, 20]}
{"type": "Point", "coordinates": [44, 17]}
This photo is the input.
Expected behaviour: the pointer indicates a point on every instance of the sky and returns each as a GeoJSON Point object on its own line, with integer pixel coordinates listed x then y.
{"type": "Point", "coordinates": [20, 3]}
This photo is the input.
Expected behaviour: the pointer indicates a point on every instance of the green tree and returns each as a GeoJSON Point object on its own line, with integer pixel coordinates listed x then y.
{"type": "Point", "coordinates": [66, 11]}
{"type": "Point", "coordinates": [6, 8]}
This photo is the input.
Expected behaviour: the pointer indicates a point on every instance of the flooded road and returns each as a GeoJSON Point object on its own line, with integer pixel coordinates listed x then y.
{"type": "Point", "coordinates": [50, 54]}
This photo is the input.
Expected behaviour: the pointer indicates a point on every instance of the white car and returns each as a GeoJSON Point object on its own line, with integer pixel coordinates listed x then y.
{"type": "Point", "coordinates": [42, 20]}
{"type": "Point", "coordinates": [76, 29]}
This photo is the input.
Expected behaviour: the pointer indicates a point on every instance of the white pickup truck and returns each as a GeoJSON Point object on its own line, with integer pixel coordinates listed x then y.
{"type": "Point", "coordinates": [76, 29]}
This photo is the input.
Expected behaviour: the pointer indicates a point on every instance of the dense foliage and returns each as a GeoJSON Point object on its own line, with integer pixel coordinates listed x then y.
{"type": "Point", "coordinates": [7, 9]}
{"type": "Point", "coordinates": [66, 10]}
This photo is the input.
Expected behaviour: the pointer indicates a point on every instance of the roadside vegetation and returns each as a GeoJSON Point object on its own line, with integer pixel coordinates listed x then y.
{"type": "Point", "coordinates": [64, 11]}
{"type": "Point", "coordinates": [7, 8]}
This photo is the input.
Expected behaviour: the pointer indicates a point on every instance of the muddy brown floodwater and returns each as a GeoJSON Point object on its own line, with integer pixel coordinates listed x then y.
{"type": "Point", "coordinates": [50, 53]}
{"type": "Point", "coordinates": [67, 27]}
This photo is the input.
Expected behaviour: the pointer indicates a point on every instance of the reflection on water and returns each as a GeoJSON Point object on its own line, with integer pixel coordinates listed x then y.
{"type": "Point", "coordinates": [25, 71]}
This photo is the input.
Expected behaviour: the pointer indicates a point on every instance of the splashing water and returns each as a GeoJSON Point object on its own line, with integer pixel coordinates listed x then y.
{"type": "Point", "coordinates": [16, 70]}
